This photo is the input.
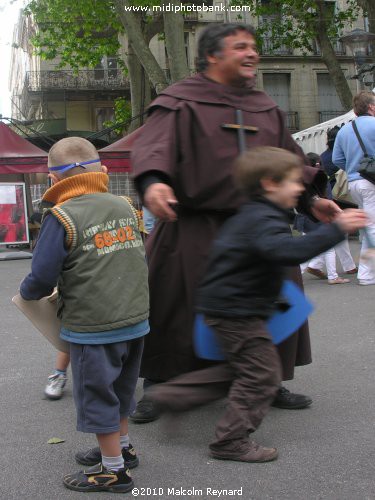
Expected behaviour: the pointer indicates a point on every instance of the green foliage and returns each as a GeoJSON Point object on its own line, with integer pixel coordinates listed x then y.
{"type": "Point", "coordinates": [294, 23]}
{"type": "Point", "coordinates": [77, 32]}
{"type": "Point", "coordinates": [123, 113]}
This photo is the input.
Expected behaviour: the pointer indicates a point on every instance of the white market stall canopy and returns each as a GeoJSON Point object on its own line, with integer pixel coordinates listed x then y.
{"type": "Point", "coordinates": [314, 139]}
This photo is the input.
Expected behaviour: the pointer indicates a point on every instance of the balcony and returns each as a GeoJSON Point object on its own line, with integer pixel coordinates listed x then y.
{"type": "Point", "coordinates": [191, 17]}
{"type": "Point", "coordinates": [328, 115]}
{"type": "Point", "coordinates": [338, 47]}
{"type": "Point", "coordinates": [292, 121]}
{"type": "Point", "coordinates": [268, 48]}
{"type": "Point", "coordinates": [98, 79]}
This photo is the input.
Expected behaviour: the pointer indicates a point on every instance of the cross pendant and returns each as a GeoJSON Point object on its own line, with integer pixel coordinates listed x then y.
{"type": "Point", "coordinates": [241, 129]}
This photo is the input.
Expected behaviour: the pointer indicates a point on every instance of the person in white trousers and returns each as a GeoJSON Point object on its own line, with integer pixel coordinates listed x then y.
{"type": "Point", "coordinates": [347, 154]}
{"type": "Point", "coordinates": [328, 259]}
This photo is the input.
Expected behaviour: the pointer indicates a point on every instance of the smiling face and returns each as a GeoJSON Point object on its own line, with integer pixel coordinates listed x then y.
{"type": "Point", "coordinates": [236, 62]}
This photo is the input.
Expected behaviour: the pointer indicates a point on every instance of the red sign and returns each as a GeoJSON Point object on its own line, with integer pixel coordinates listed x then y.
{"type": "Point", "coordinates": [13, 214]}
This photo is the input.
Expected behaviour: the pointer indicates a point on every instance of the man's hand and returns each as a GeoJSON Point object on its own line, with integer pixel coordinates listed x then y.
{"type": "Point", "coordinates": [351, 219]}
{"type": "Point", "coordinates": [325, 210]}
{"type": "Point", "coordinates": [159, 198]}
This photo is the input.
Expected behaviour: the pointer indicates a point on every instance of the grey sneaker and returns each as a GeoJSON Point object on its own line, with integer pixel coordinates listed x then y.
{"type": "Point", "coordinates": [55, 386]}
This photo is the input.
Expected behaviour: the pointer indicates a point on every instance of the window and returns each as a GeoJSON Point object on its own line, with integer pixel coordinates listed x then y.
{"type": "Point", "coordinates": [329, 103]}
{"type": "Point", "coordinates": [112, 65]}
{"type": "Point", "coordinates": [99, 71]}
{"type": "Point", "coordinates": [268, 41]}
{"type": "Point", "coordinates": [108, 67]}
{"type": "Point", "coordinates": [277, 86]}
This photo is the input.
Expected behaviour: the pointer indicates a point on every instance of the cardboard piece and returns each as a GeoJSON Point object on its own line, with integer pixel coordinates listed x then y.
{"type": "Point", "coordinates": [281, 325]}
{"type": "Point", "coordinates": [43, 315]}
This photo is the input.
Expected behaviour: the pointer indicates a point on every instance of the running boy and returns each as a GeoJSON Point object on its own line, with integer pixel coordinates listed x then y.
{"type": "Point", "coordinates": [238, 294]}
{"type": "Point", "coordinates": [90, 245]}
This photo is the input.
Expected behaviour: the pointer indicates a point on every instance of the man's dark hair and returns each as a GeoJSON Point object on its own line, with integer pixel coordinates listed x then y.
{"type": "Point", "coordinates": [331, 136]}
{"type": "Point", "coordinates": [211, 40]}
{"type": "Point", "coordinates": [313, 158]}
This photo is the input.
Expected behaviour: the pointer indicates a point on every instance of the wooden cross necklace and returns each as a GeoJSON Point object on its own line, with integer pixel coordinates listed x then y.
{"type": "Point", "coordinates": [241, 129]}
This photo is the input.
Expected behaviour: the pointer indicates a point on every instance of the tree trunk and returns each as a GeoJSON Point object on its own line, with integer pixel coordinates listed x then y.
{"type": "Point", "coordinates": [140, 46]}
{"type": "Point", "coordinates": [140, 89]}
{"type": "Point", "coordinates": [329, 57]}
{"type": "Point", "coordinates": [136, 77]}
{"type": "Point", "coordinates": [175, 43]}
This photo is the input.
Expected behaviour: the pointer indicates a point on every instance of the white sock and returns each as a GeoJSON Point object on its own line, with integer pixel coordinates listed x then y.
{"type": "Point", "coordinates": [113, 463]}
{"type": "Point", "coordinates": [124, 441]}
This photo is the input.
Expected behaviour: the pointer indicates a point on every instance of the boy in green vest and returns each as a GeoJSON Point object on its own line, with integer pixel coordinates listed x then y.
{"type": "Point", "coordinates": [90, 245]}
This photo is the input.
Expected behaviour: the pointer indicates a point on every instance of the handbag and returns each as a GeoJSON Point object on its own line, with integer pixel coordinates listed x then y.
{"type": "Point", "coordinates": [366, 168]}
{"type": "Point", "coordinates": [340, 190]}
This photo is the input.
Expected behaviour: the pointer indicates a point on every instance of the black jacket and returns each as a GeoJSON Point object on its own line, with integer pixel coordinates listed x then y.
{"type": "Point", "coordinates": [246, 266]}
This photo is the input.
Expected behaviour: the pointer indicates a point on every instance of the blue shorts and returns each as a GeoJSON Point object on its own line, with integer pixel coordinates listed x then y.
{"type": "Point", "coordinates": [104, 381]}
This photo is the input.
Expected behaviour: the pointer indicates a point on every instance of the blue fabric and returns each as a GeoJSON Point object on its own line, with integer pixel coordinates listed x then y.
{"type": "Point", "coordinates": [63, 168]}
{"type": "Point", "coordinates": [347, 152]}
{"type": "Point", "coordinates": [281, 325]}
{"type": "Point", "coordinates": [326, 161]}
{"type": "Point", "coordinates": [148, 220]}
{"type": "Point", "coordinates": [104, 380]}
{"type": "Point", "coordinates": [48, 259]}
{"type": "Point", "coordinates": [108, 336]}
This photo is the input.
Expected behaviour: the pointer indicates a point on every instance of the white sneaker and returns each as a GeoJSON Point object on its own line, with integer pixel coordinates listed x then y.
{"type": "Point", "coordinates": [366, 282]}
{"type": "Point", "coordinates": [55, 386]}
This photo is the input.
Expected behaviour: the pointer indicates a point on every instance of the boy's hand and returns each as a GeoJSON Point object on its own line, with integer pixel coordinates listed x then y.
{"type": "Point", "coordinates": [351, 219]}
{"type": "Point", "coordinates": [325, 210]}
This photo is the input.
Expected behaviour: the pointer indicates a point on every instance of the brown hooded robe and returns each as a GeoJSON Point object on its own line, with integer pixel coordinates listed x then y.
{"type": "Point", "coordinates": [184, 144]}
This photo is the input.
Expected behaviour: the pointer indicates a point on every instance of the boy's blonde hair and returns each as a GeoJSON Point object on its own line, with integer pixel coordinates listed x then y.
{"type": "Point", "coordinates": [261, 162]}
{"type": "Point", "coordinates": [73, 150]}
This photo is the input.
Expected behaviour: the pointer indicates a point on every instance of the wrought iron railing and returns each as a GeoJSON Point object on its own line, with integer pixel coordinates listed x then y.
{"type": "Point", "coordinates": [268, 47]}
{"type": "Point", "coordinates": [292, 121]}
{"type": "Point", "coordinates": [96, 79]}
{"type": "Point", "coordinates": [338, 47]}
{"type": "Point", "coordinates": [191, 17]}
{"type": "Point", "coordinates": [328, 115]}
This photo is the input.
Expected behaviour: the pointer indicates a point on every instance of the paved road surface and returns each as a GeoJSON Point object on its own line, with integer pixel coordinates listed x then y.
{"type": "Point", "coordinates": [326, 452]}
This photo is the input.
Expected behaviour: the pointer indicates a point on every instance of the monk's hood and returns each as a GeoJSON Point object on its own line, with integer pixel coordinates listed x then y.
{"type": "Point", "coordinates": [199, 88]}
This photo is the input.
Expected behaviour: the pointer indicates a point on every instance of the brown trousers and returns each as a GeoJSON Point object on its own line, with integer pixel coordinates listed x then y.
{"type": "Point", "coordinates": [250, 379]}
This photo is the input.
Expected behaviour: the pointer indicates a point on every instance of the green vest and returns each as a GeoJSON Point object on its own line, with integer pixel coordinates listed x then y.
{"type": "Point", "coordinates": [104, 281]}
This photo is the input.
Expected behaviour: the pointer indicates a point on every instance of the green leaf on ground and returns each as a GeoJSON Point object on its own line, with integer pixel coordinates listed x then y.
{"type": "Point", "coordinates": [55, 441]}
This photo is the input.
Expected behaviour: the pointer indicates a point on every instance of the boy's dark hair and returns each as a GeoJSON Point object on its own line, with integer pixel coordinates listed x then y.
{"type": "Point", "coordinates": [211, 40]}
{"type": "Point", "coordinates": [362, 101]}
{"type": "Point", "coordinates": [260, 162]}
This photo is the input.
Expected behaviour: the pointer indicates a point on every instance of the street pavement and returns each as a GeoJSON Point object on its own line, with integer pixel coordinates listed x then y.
{"type": "Point", "coordinates": [327, 451]}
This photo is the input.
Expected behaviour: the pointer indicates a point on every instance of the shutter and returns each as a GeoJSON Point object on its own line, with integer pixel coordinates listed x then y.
{"type": "Point", "coordinates": [277, 86]}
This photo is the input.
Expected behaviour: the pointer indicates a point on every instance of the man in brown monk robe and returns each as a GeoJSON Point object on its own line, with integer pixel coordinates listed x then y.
{"type": "Point", "coordinates": [182, 164]}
